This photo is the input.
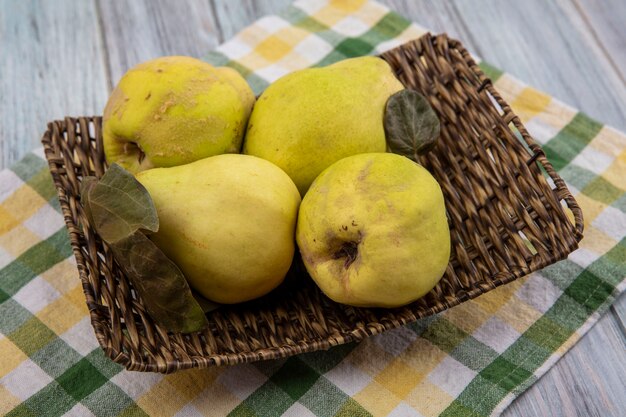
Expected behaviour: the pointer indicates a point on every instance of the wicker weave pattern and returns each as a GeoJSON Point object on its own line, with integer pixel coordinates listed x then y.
{"type": "Point", "coordinates": [505, 219]}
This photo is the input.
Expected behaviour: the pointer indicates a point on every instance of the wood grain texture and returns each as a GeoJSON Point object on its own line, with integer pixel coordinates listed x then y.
{"type": "Point", "coordinates": [236, 15]}
{"type": "Point", "coordinates": [605, 20]}
{"type": "Point", "coordinates": [618, 309]}
{"type": "Point", "coordinates": [138, 30]}
{"type": "Point", "coordinates": [573, 49]}
{"type": "Point", "coordinates": [52, 64]}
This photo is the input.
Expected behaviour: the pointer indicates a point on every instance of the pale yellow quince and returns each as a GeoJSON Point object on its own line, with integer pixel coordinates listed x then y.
{"type": "Point", "coordinates": [174, 110]}
{"type": "Point", "coordinates": [311, 118]}
{"type": "Point", "coordinates": [228, 222]}
{"type": "Point", "coordinates": [372, 231]}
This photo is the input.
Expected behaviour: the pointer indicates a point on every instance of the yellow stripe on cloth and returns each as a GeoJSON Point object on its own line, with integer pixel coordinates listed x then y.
{"type": "Point", "coordinates": [529, 103]}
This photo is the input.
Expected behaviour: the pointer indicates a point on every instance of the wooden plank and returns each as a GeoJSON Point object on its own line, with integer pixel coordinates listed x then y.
{"type": "Point", "coordinates": [51, 65]}
{"type": "Point", "coordinates": [135, 31]}
{"type": "Point", "coordinates": [546, 44]}
{"type": "Point", "coordinates": [587, 381]}
{"type": "Point", "coordinates": [236, 15]}
{"type": "Point", "coordinates": [619, 311]}
{"type": "Point", "coordinates": [605, 21]}
{"type": "Point", "coordinates": [437, 17]}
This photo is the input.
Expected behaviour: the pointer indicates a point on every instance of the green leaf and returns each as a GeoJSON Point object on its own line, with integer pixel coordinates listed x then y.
{"type": "Point", "coordinates": [161, 284]}
{"type": "Point", "coordinates": [120, 210]}
{"type": "Point", "coordinates": [120, 205]}
{"type": "Point", "coordinates": [411, 125]}
{"type": "Point", "coordinates": [87, 184]}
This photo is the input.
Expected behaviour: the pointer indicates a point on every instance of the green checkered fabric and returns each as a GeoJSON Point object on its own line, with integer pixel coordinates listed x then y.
{"type": "Point", "coordinates": [471, 360]}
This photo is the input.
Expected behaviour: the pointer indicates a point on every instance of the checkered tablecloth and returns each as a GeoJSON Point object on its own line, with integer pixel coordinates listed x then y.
{"type": "Point", "coordinates": [471, 360]}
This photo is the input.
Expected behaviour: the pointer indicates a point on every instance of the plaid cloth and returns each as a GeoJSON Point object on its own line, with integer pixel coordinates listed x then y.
{"type": "Point", "coordinates": [471, 360]}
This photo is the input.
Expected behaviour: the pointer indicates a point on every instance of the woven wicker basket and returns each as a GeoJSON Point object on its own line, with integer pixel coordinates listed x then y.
{"type": "Point", "coordinates": [505, 222]}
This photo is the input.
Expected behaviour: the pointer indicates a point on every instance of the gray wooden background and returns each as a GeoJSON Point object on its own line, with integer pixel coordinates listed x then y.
{"type": "Point", "coordinates": [62, 58]}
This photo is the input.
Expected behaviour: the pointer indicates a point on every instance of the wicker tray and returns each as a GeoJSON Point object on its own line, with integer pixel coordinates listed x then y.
{"type": "Point", "coordinates": [506, 221]}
